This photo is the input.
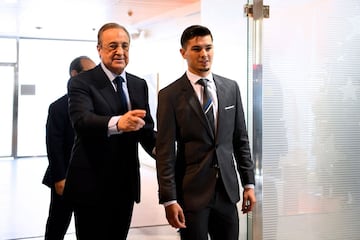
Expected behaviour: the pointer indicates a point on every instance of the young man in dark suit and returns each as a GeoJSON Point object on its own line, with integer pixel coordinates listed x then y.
{"type": "Point", "coordinates": [109, 109]}
{"type": "Point", "coordinates": [59, 141]}
{"type": "Point", "coordinates": [202, 144]}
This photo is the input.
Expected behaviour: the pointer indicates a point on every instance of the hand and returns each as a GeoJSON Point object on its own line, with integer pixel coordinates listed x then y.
{"type": "Point", "coordinates": [132, 120]}
{"type": "Point", "coordinates": [175, 216]}
{"type": "Point", "coordinates": [249, 200]}
{"type": "Point", "coordinates": [59, 187]}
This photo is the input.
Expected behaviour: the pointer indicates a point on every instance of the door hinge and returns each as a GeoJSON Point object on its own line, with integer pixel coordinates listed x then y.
{"type": "Point", "coordinates": [258, 11]}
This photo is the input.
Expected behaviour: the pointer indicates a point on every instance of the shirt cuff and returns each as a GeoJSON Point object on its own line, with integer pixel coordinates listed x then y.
{"type": "Point", "coordinates": [112, 126]}
{"type": "Point", "coordinates": [249, 186]}
{"type": "Point", "coordinates": [169, 203]}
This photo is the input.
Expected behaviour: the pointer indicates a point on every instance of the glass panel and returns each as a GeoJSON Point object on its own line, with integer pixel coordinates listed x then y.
{"type": "Point", "coordinates": [255, 113]}
{"type": "Point", "coordinates": [8, 50]}
{"type": "Point", "coordinates": [7, 80]}
{"type": "Point", "coordinates": [43, 72]}
{"type": "Point", "coordinates": [311, 120]}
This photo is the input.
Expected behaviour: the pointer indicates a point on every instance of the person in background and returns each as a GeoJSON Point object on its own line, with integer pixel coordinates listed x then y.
{"type": "Point", "coordinates": [109, 109]}
{"type": "Point", "coordinates": [59, 141]}
{"type": "Point", "coordinates": [202, 144]}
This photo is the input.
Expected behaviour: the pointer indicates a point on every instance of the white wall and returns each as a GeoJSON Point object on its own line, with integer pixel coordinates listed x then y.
{"type": "Point", "coordinates": [229, 28]}
{"type": "Point", "coordinates": [156, 54]}
{"type": "Point", "coordinates": [158, 51]}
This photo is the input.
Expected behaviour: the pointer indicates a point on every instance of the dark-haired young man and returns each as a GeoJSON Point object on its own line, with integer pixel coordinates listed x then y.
{"type": "Point", "coordinates": [202, 144]}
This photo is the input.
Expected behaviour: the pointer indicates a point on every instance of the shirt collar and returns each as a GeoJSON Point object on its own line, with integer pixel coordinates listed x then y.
{"type": "Point", "coordinates": [194, 78]}
{"type": "Point", "coordinates": [110, 74]}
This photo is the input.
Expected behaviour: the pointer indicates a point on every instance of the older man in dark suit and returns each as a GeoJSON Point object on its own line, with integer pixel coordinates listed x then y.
{"type": "Point", "coordinates": [202, 144]}
{"type": "Point", "coordinates": [110, 113]}
{"type": "Point", "coordinates": [59, 142]}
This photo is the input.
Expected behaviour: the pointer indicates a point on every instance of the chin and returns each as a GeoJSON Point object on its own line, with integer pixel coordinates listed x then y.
{"type": "Point", "coordinates": [118, 68]}
{"type": "Point", "coordinates": [204, 69]}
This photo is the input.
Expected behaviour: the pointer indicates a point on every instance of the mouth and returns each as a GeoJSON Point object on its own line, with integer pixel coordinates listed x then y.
{"type": "Point", "coordinates": [204, 62]}
{"type": "Point", "coordinates": [119, 60]}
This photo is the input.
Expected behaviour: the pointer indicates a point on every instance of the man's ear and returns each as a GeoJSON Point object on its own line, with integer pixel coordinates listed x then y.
{"type": "Point", "coordinates": [182, 52]}
{"type": "Point", "coordinates": [73, 73]}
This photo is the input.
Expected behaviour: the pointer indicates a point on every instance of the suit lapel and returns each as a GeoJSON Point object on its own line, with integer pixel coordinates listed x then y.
{"type": "Point", "coordinates": [221, 96]}
{"type": "Point", "coordinates": [106, 89]}
{"type": "Point", "coordinates": [132, 91]}
{"type": "Point", "coordinates": [193, 101]}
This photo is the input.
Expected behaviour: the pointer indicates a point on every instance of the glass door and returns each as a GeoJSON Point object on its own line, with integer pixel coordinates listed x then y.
{"type": "Point", "coordinates": [7, 93]}
{"type": "Point", "coordinates": [305, 81]}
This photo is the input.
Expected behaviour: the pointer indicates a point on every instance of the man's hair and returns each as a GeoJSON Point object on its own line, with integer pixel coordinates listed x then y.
{"type": "Point", "coordinates": [77, 65]}
{"type": "Point", "coordinates": [108, 26]}
{"type": "Point", "coordinates": [194, 31]}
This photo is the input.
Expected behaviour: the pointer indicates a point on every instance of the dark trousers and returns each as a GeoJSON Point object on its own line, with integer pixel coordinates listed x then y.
{"type": "Point", "coordinates": [219, 219]}
{"type": "Point", "coordinates": [103, 221]}
{"type": "Point", "coordinates": [59, 217]}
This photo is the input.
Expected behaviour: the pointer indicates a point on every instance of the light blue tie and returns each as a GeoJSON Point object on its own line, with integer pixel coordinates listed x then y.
{"type": "Point", "coordinates": [207, 103]}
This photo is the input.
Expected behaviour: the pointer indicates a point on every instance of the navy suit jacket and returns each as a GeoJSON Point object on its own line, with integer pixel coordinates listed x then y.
{"type": "Point", "coordinates": [185, 169]}
{"type": "Point", "coordinates": [104, 168]}
{"type": "Point", "coordinates": [59, 141]}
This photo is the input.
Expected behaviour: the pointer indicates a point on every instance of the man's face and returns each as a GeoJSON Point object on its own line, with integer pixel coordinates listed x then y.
{"type": "Point", "coordinates": [114, 49]}
{"type": "Point", "coordinates": [199, 54]}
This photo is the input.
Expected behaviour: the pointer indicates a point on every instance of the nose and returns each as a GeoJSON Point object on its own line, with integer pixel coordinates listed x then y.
{"type": "Point", "coordinates": [203, 53]}
{"type": "Point", "coordinates": [119, 50]}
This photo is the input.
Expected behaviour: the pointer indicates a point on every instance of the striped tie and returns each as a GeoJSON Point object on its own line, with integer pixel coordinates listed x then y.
{"type": "Point", "coordinates": [207, 104]}
{"type": "Point", "coordinates": [118, 82]}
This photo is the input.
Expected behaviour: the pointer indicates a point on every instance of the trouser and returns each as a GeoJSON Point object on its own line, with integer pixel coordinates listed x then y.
{"type": "Point", "coordinates": [219, 219]}
{"type": "Point", "coordinates": [59, 217]}
{"type": "Point", "coordinates": [104, 220]}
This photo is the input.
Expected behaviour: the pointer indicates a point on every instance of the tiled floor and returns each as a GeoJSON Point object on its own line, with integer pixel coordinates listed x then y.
{"type": "Point", "coordinates": [164, 232]}
{"type": "Point", "coordinates": [24, 203]}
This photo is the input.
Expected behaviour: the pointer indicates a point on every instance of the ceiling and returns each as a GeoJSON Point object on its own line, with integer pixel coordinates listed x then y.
{"type": "Point", "coordinates": [78, 19]}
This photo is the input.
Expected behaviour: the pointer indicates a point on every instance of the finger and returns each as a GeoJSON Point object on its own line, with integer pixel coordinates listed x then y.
{"type": "Point", "coordinates": [140, 122]}
{"type": "Point", "coordinates": [138, 113]}
{"type": "Point", "coordinates": [136, 121]}
{"type": "Point", "coordinates": [245, 206]}
{"type": "Point", "coordinates": [181, 220]}
{"type": "Point", "coordinates": [172, 222]}
{"type": "Point", "coordinates": [251, 206]}
{"type": "Point", "coordinates": [178, 224]}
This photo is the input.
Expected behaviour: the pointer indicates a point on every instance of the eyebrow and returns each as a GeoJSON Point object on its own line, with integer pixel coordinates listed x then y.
{"type": "Point", "coordinates": [200, 46]}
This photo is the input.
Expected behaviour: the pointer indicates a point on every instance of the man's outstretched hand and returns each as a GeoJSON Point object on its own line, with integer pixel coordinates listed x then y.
{"type": "Point", "coordinates": [131, 121]}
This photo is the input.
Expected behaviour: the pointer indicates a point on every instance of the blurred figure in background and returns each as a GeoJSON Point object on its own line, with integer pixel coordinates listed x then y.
{"type": "Point", "coordinates": [59, 142]}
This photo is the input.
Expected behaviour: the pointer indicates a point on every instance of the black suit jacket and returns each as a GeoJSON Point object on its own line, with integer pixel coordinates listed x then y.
{"type": "Point", "coordinates": [181, 119]}
{"type": "Point", "coordinates": [104, 168]}
{"type": "Point", "coordinates": [59, 141]}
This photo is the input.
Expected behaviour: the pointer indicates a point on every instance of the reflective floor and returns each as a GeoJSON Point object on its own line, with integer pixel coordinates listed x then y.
{"type": "Point", "coordinates": [24, 203]}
